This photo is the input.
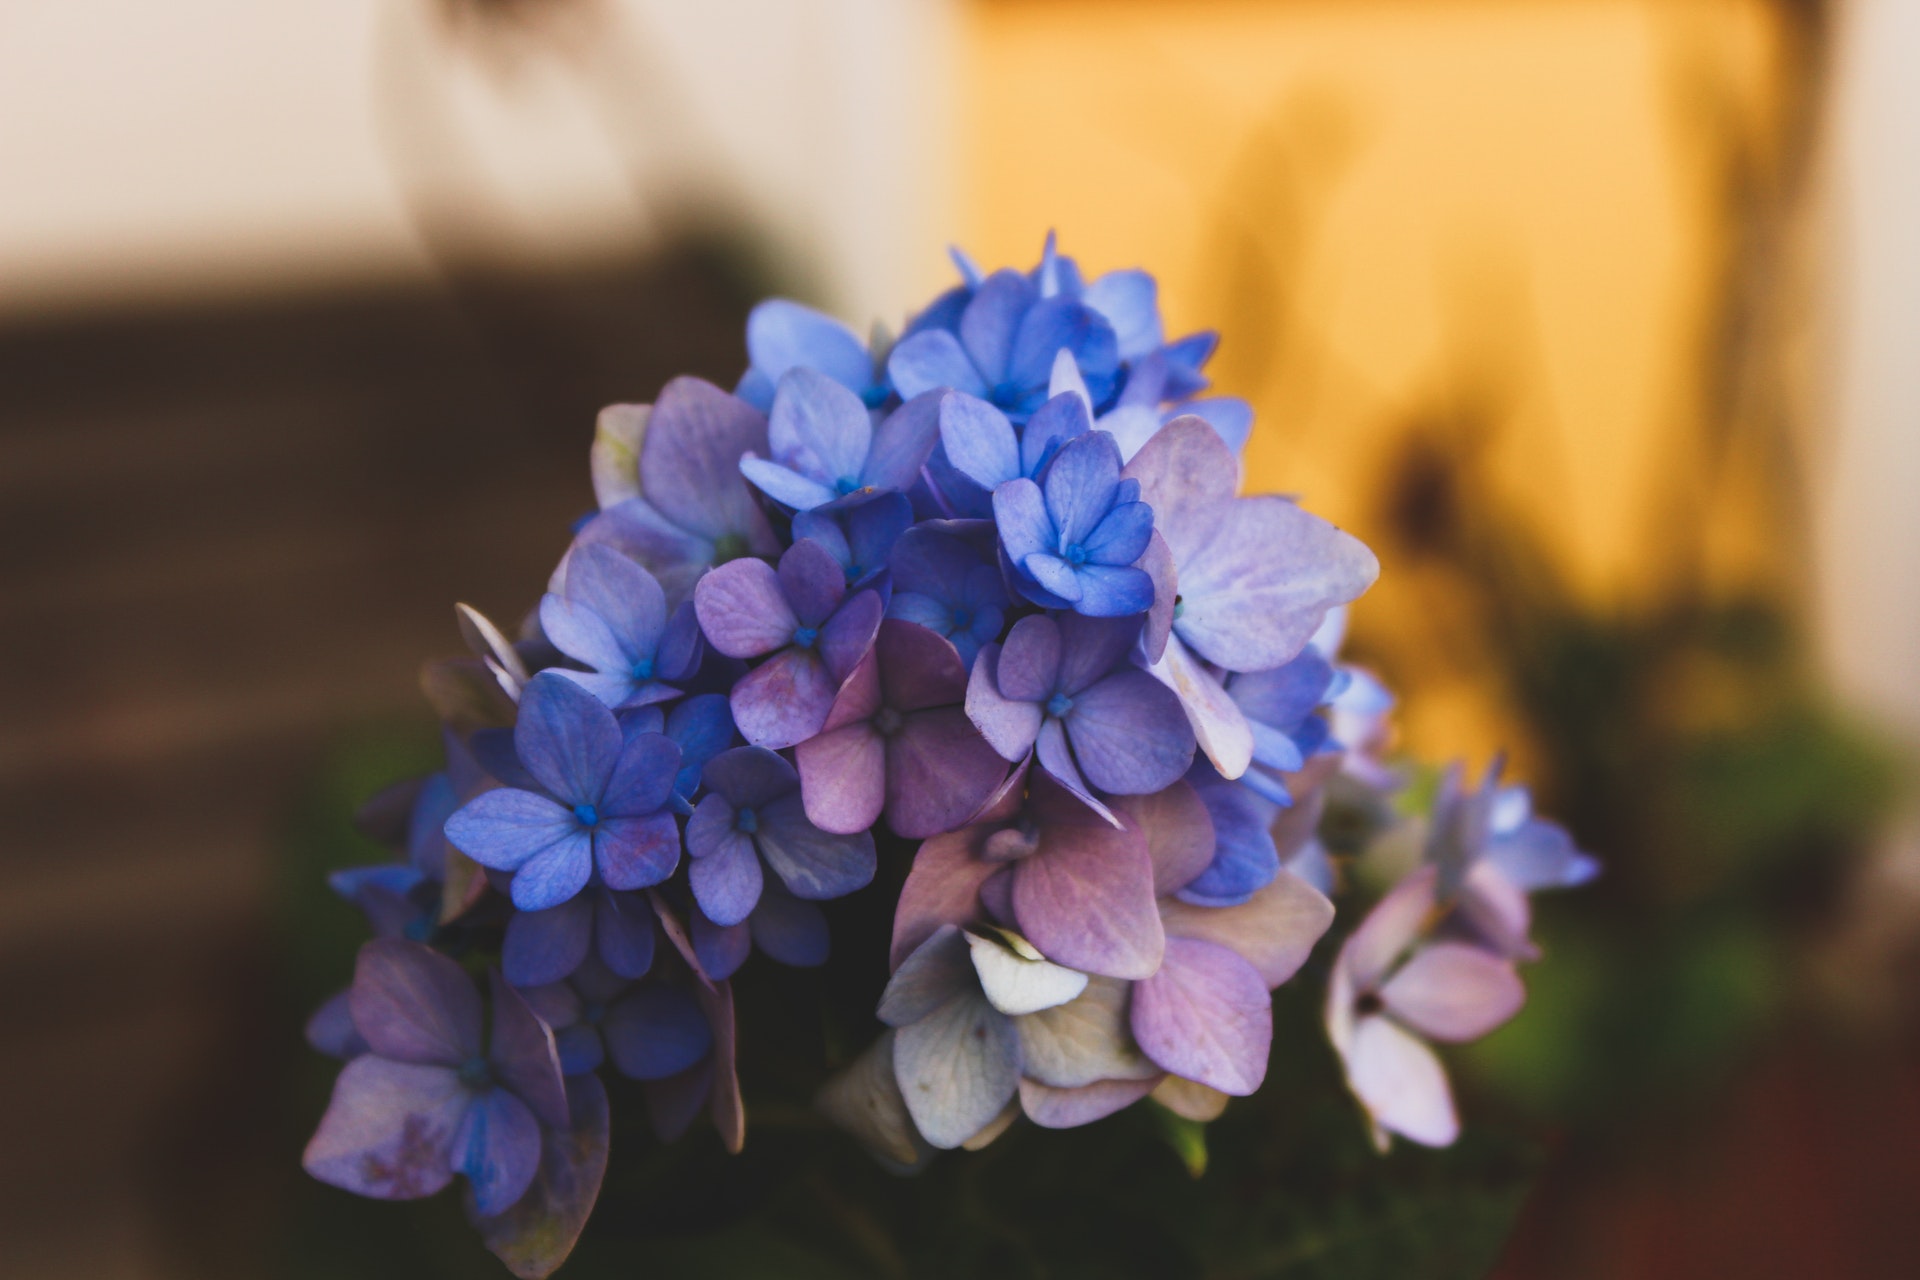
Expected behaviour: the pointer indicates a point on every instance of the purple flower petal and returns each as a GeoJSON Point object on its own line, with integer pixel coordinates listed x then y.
{"type": "Point", "coordinates": [784, 335]}
{"type": "Point", "coordinates": [1389, 929]}
{"type": "Point", "coordinates": [820, 429]}
{"type": "Point", "coordinates": [784, 485]}
{"type": "Point", "coordinates": [1085, 899]}
{"type": "Point", "coordinates": [1401, 1083]}
{"type": "Point", "coordinates": [1129, 301]}
{"type": "Point", "coordinates": [1219, 726]}
{"type": "Point", "coordinates": [522, 1053]}
{"type": "Point", "coordinates": [785, 700]}
{"type": "Point", "coordinates": [643, 777]}
{"type": "Point", "coordinates": [623, 933]}
{"type": "Point", "coordinates": [566, 738]}
{"type": "Point", "coordinates": [1052, 1108]}
{"type": "Point", "coordinates": [843, 777]}
{"type": "Point", "coordinates": [412, 1004]}
{"type": "Point", "coordinates": [811, 581]}
{"type": "Point", "coordinates": [940, 969]}
{"type": "Point", "coordinates": [1029, 666]}
{"type": "Point", "coordinates": [1112, 591]}
{"type": "Point", "coordinates": [1245, 857]}
{"type": "Point", "coordinates": [1189, 477]}
{"type": "Point", "coordinates": [939, 771]}
{"type": "Point", "coordinates": [742, 609]}
{"type": "Point", "coordinates": [622, 595]}
{"type": "Point", "coordinates": [726, 877]}
{"type": "Point", "coordinates": [1157, 563]}
{"type": "Point", "coordinates": [724, 1104]}
{"type": "Point", "coordinates": [1265, 583]}
{"type": "Point", "coordinates": [978, 440]}
{"type": "Point", "coordinates": [1274, 930]}
{"type": "Point", "coordinates": [1051, 751]}
{"type": "Point", "coordinates": [957, 1068]}
{"type": "Point", "coordinates": [789, 930]}
{"type": "Point", "coordinates": [1452, 992]}
{"type": "Point", "coordinates": [551, 877]}
{"type": "Point", "coordinates": [1090, 648]}
{"type": "Point", "coordinates": [1063, 323]}
{"type": "Point", "coordinates": [498, 1148]}
{"type": "Point", "coordinates": [991, 322]}
{"type": "Point", "coordinates": [812, 863]}
{"type": "Point", "coordinates": [675, 557]}
{"type": "Point", "coordinates": [689, 461]}
{"type": "Point", "coordinates": [634, 853]}
{"type": "Point", "coordinates": [903, 443]}
{"type": "Point", "coordinates": [656, 1031]}
{"type": "Point", "coordinates": [331, 1031]}
{"type": "Point", "coordinates": [1080, 486]}
{"type": "Point", "coordinates": [1205, 1016]}
{"type": "Point", "coordinates": [942, 888]}
{"type": "Point", "coordinates": [503, 828]}
{"type": "Point", "coordinates": [1122, 535]}
{"type": "Point", "coordinates": [388, 1132]}
{"type": "Point", "coordinates": [535, 1236]}
{"type": "Point", "coordinates": [1129, 734]}
{"type": "Point", "coordinates": [850, 633]}
{"type": "Point", "coordinates": [932, 360]}
{"type": "Point", "coordinates": [1026, 529]}
{"type": "Point", "coordinates": [1231, 417]}
{"type": "Point", "coordinates": [1009, 726]}
{"type": "Point", "coordinates": [1178, 831]}
{"type": "Point", "coordinates": [918, 668]}
{"type": "Point", "coordinates": [546, 946]}
{"type": "Point", "coordinates": [1059, 420]}
{"type": "Point", "coordinates": [722, 948]}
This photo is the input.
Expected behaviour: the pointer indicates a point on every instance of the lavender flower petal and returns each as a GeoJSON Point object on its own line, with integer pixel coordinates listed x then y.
{"type": "Point", "coordinates": [546, 946]}
{"type": "Point", "coordinates": [498, 1148]}
{"type": "Point", "coordinates": [1451, 992]}
{"type": "Point", "coordinates": [412, 1004]}
{"type": "Point", "coordinates": [1205, 1016]}
{"type": "Point", "coordinates": [388, 1132]}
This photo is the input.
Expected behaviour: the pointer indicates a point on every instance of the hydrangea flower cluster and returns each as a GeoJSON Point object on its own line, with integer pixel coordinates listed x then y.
{"type": "Point", "coordinates": [987, 600]}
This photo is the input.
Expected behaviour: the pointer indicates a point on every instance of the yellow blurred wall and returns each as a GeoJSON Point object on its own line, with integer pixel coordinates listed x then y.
{"type": "Point", "coordinates": [1395, 211]}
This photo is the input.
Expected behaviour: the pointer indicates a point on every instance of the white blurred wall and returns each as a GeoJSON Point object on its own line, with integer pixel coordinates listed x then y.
{"type": "Point", "coordinates": [1870, 498]}
{"type": "Point", "coordinates": [151, 147]}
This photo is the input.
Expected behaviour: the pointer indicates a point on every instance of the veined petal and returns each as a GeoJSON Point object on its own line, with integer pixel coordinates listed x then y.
{"type": "Point", "coordinates": [1026, 529]}
{"type": "Point", "coordinates": [957, 1067]}
{"type": "Point", "coordinates": [412, 1004]}
{"type": "Point", "coordinates": [522, 1052]}
{"type": "Point", "coordinates": [1052, 1108]}
{"type": "Point", "coordinates": [784, 335]}
{"type": "Point", "coordinates": [932, 360]}
{"type": "Point", "coordinates": [1084, 1040]}
{"type": "Point", "coordinates": [388, 1132]}
{"type": "Point", "coordinates": [843, 777]}
{"type": "Point", "coordinates": [819, 429]}
{"type": "Point", "coordinates": [785, 485]}
{"type": "Point", "coordinates": [1401, 1083]}
{"type": "Point", "coordinates": [742, 610]}
{"type": "Point", "coordinates": [546, 946]}
{"type": "Point", "coordinates": [1205, 1016]}
{"type": "Point", "coordinates": [939, 771]}
{"type": "Point", "coordinates": [903, 443]}
{"type": "Point", "coordinates": [1129, 734]}
{"type": "Point", "coordinates": [566, 738]}
{"type": "Point", "coordinates": [1010, 727]}
{"type": "Point", "coordinates": [1015, 984]}
{"type": "Point", "coordinates": [1452, 992]}
{"type": "Point", "coordinates": [656, 1031]}
{"type": "Point", "coordinates": [812, 863]}
{"type": "Point", "coordinates": [634, 853]}
{"type": "Point", "coordinates": [689, 462]}
{"type": "Point", "coordinates": [978, 440]}
{"type": "Point", "coordinates": [505, 827]}
{"type": "Point", "coordinates": [1085, 898]}
{"type": "Point", "coordinates": [1274, 930]}
{"type": "Point", "coordinates": [1218, 724]}
{"type": "Point", "coordinates": [784, 701]}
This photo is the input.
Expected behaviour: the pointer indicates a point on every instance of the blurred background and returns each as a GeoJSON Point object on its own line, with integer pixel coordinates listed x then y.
{"type": "Point", "coordinates": [1597, 318]}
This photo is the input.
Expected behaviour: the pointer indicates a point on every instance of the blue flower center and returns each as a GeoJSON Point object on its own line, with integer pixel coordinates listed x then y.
{"type": "Point", "coordinates": [845, 485]}
{"type": "Point", "coordinates": [886, 722]}
{"type": "Point", "coordinates": [806, 636]}
{"type": "Point", "coordinates": [593, 1012]}
{"type": "Point", "coordinates": [418, 929]}
{"type": "Point", "coordinates": [643, 669]}
{"type": "Point", "coordinates": [1058, 705]}
{"type": "Point", "coordinates": [588, 815]}
{"type": "Point", "coordinates": [1076, 554]}
{"type": "Point", "coordinates": [962, 619]}
{"type": "Point", "coordinates": [476, 1073]}
{"type": "Point", "coordinates": [855, 572]}
{"type": "Point", "coordinates": [1007, 394]}
{"type": "Point", "coordinates": [875, 396]}
{"type": "Point", "coordinates": [745, 820]}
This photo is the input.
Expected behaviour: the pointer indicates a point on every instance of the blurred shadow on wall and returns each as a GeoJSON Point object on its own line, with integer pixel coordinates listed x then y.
{"type": "Point", "coordinates": [229, 532]}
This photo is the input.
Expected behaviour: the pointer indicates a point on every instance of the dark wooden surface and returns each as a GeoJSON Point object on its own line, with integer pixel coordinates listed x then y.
{"type": "Point", "coordinates": [228, 533]}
